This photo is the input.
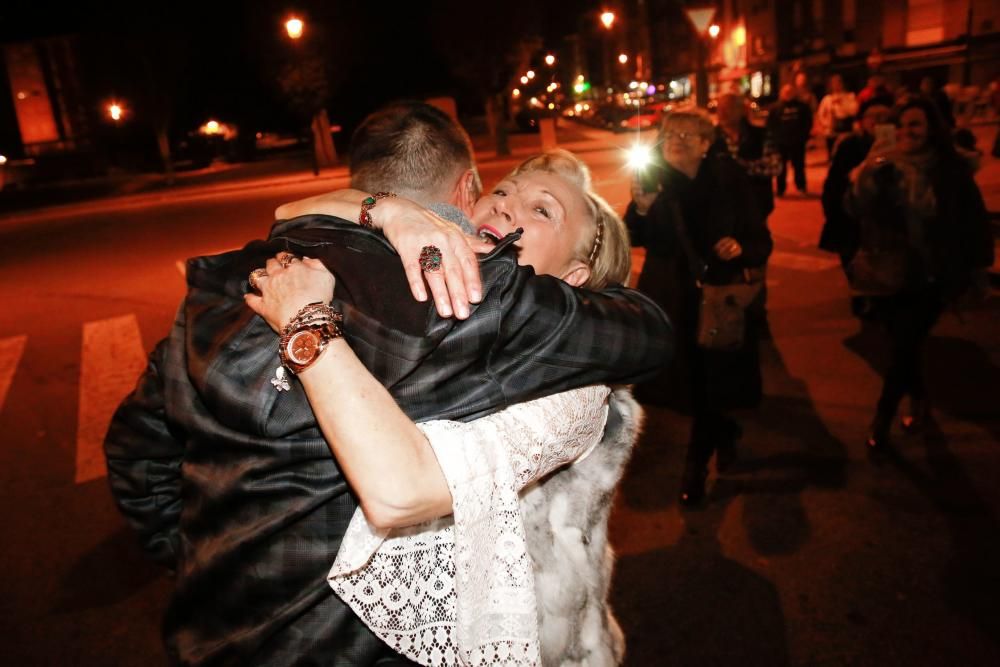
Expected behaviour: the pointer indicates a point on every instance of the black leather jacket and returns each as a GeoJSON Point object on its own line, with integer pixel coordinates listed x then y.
{"type": "Point", "coordinates": [230, 482]}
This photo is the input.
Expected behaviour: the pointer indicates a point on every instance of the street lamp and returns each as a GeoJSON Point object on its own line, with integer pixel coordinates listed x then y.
{"type": "Point", "coordinates": [115, 111]}
{"type": "Point", "coordinates": [550, 60]}
{"type": "Point", "coordinates": [607, 20]}
{"type": "Point", "coordinates": [294, 27]}
{"type": "Point", "coordinates": [713, 30]}
{"type": "Point", "coordinates": [701, 19]}
{"type": "Point", "coordinates": [622, 58]}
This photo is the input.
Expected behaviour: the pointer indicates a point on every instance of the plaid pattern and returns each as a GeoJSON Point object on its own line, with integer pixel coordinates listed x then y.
{"type": "Point", "coordinates": [231, 482]}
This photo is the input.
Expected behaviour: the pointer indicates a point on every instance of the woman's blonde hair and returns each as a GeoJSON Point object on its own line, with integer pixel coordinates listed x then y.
{"type": "Point", "coordinates": [607, 250]}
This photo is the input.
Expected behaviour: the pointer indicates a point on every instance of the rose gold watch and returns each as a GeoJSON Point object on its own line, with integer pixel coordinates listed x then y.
{"type": "Point", "coordinates": [305, 337]}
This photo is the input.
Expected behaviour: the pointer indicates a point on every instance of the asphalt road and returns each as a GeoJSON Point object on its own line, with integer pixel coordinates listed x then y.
{"type": "Point", "coordinates": [807, 554]}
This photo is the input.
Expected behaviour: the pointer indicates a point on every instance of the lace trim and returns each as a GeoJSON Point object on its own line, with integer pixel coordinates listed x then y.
{"type": "Point", "coordinates": [460, 590]}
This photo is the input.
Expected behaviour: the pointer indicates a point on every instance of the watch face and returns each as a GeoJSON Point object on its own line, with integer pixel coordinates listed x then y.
{"type": "Point", "coordinates": [303, 346]}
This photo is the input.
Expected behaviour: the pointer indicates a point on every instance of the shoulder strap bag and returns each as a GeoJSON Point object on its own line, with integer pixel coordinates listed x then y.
{"type": "Point", "coordinates": [722, 310]}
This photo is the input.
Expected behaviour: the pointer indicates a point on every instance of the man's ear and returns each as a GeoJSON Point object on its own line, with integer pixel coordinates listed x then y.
{"type": "Point", "coordinates": [464, 194]}
{"type": "Point", "coordinates": [577, 274]}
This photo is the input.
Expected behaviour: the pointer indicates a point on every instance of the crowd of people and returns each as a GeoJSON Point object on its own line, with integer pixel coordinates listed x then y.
{"type": "Point", "coordinates": [382, 435]}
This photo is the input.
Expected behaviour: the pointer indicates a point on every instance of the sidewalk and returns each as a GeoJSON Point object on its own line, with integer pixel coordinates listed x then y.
{"type": "Point", "coordinates": [124, 191]}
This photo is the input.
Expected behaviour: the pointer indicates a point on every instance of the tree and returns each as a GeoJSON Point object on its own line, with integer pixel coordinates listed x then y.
{"type": "Point", "coordinates": [488, 57]}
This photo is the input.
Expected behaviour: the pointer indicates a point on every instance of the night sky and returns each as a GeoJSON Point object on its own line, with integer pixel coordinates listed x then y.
{"type": "Point", "coordinates": [221, 58]}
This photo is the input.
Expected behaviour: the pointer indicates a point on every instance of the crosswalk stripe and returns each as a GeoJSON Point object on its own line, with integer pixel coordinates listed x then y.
{"type": "Point", "coordinates": [11, 350]}
{"type": "Point", "coordinates": [112, 359]}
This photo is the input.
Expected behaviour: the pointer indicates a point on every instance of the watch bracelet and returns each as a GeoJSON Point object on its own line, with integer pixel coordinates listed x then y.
{"type": "Point", "coordinates": [316, 316]}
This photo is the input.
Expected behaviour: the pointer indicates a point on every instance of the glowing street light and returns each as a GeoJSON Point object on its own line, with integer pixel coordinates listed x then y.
{"type": "Point", "coordinates": [607, 18]}
{"type": "Point", "coordinates": [550, 60]}
{"type": "Point", "coordinates": [713, 30]}
{"type": "Point", "coordinates": [524, 80]}
{"type": "Point", "coordinates": [739, 35]}
{"type": "Point", "coordinates": [115, 111]}
{"type": "Point", "coordinates": [530, 74]}
{"type": "Point", "coordinates": [294, 27]}
{"type": "Point", "coordinates": [622, 58]}
{"type": "Point", "coordinates": [516, 92]}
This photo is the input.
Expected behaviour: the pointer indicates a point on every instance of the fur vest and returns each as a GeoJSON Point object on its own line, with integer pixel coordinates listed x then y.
{"type": "Point", "coordinates": [566, 523]}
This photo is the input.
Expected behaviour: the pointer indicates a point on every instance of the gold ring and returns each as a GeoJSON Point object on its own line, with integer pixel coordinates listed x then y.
{"type": "Point", "coordinates": [254, 276]}
{"type": "Point", "coordinates": [285, 258]}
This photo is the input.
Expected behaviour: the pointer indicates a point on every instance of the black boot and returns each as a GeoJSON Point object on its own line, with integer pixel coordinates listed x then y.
{"type": "Point", "coordinates": [693, 484]}
{"type": "Point", "coordinates": [878, 438]}
{"type": "Point", "coordinates": [920, 414]}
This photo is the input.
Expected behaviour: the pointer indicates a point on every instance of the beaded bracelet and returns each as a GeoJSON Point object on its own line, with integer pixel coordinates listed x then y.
{"type": "Point", "coordinates": [365, 219]}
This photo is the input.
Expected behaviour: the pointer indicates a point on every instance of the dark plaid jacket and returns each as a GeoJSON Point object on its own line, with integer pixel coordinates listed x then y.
{"type": "Point", "coordinates": [230, 482]}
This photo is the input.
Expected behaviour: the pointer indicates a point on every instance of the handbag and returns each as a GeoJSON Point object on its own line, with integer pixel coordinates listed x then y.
{"type": "Point", "coordinates": [722, 308]}
{"type": "Point", "coordinates": [722, 314]}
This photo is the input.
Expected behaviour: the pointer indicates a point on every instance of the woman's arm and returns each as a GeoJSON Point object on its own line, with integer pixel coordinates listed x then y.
{"type": "Point", "coordinates": [409, 227]}
{"type": "Point", "coordinates": [382, 453]}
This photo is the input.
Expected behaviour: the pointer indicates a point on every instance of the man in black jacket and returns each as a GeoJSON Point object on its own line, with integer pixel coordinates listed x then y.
{"type": "Point", "coordinates": [229, 481]}
{"type": "Point", "coordinates": [790, 122]}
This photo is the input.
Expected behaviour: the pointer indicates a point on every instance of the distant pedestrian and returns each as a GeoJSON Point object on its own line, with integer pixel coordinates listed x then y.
{"type": "Point", "coordinates": [940, 99]}
{"type": "Point", "coordinates": [925, 239]}
{"type": "Point", "coordinates": [840, 230]}
{"type": "Point", "coordinates": [752, 149]}
{"type": "Point", "coordinates": [876, 91]}
{"type": "Point", "coordinates": [837, 111]}
{"type": "Point", "coordinates": [790, 124]}
{"type": "Point", "coordinates": [804, 93]}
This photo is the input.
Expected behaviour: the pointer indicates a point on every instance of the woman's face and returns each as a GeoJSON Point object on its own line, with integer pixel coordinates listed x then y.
{"type": "Point", "coordinates": [552, 213]}
{"type": "Point", "coordinates": [683, 147]}
{"type": "Point", "coordinates": [912, 134]}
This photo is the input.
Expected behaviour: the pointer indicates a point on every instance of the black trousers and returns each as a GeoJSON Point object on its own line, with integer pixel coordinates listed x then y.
{"type": "Point", "coordinates": [909, 318]}
{"type": "Point", "coordinates": [796, 154]}
{"type": "Point", "coordinates": [711, 427]}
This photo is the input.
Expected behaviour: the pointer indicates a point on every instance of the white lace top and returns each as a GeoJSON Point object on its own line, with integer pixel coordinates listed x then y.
{"type": "Point", "coordinates": [460, 590]}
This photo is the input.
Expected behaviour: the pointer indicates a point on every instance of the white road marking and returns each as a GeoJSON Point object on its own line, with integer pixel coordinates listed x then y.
{"type": "Point", "coordinates": [112, 359]}
{"type": "Point", "coordinates": [11, 350]}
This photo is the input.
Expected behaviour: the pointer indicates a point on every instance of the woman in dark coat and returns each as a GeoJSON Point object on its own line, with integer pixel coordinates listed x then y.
{"type": "Point", "coordinates": [921, 198]}
{"type": "Point", "coordinates": [711, 199]}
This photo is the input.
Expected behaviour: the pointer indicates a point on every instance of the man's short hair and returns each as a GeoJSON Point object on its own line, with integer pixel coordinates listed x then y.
{"type": "Point", "coordinates": [411, 148]}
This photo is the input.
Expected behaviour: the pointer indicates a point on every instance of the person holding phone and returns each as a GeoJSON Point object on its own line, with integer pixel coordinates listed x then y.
{"type": "Point", "coordinates": [706, 199]}
{"type": "Point", "coordinates": [921, 197]}
{"type": "Point", "coordinates": [840, 230]}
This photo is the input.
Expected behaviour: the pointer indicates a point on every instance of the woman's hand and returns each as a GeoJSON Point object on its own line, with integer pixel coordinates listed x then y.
{"type": "Point", "coordinates": [410, 227]}
{"type": "Point", "coordinates": [643, 200]}
{"type": "Point", "coordinates": [288, 286]}
{"type": "Point", "coordinates": [728, 248]}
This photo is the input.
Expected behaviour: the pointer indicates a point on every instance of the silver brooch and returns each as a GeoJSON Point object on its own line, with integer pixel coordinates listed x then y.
{"type": "Point", "coordinates": [279, 380]}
